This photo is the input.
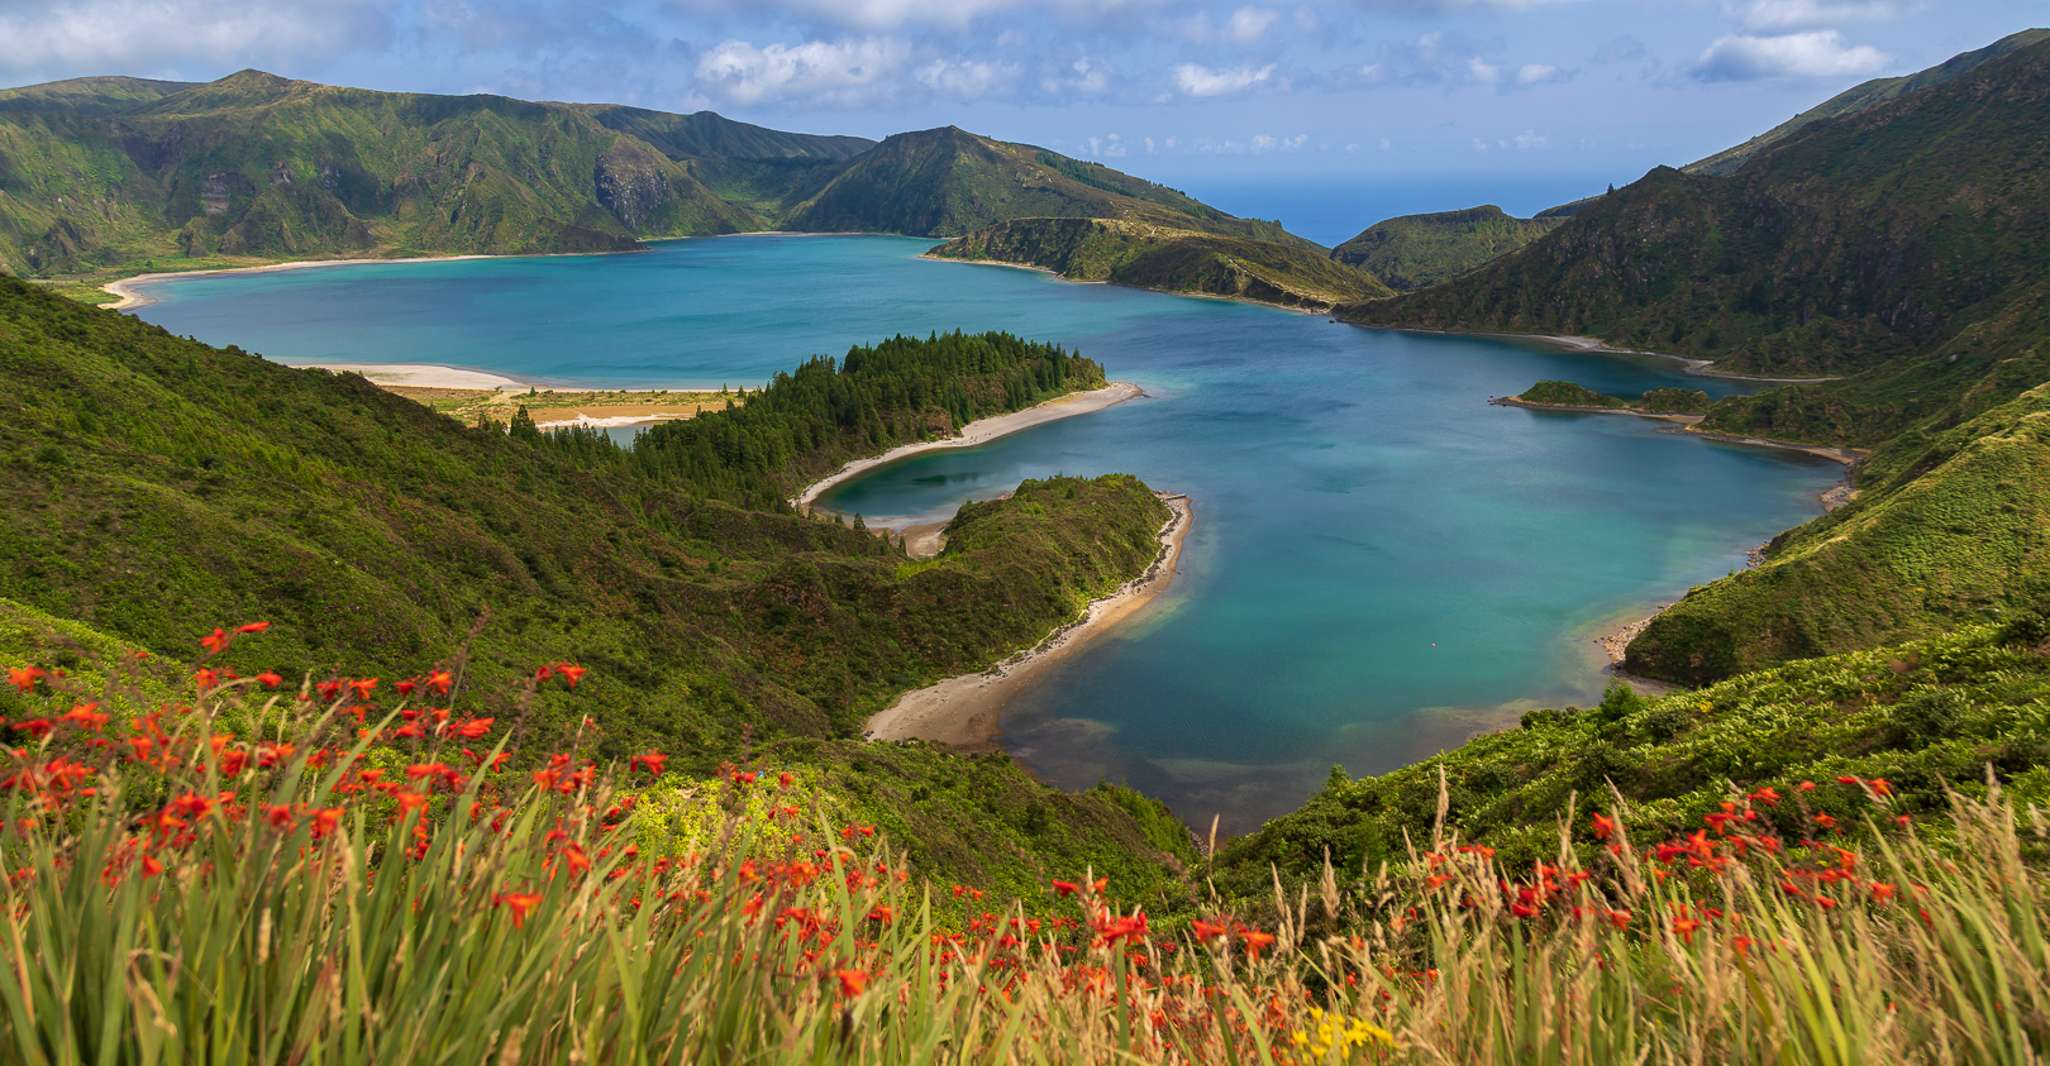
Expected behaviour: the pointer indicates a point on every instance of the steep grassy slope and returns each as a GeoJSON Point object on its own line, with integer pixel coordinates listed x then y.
{"type": "Point", "coordinates": [947, 182]}
{"type": "Point", "coordinates": [1923, 716]}
{"type": "Point", "coordinates": [1854, 240]}
{"type": "Point", "coordinates": [1865, 96]}
{"type": "Point", "coordinates": [1413, 251]}
{"type": "Point", "coordinates": [1176, 260]}
{"type": "Point", "coordinates": [1947, 529]}
{"type": "Point", "coordinates": [255, 164]}
{"type": "Point", "coordinates": [163, 487]}
{"type": "Point", "coordinates": [762, 171]}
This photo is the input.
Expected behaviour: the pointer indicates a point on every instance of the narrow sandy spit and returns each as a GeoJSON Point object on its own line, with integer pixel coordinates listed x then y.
{"type": "Point", "coordinates": [963, 712]}
{"type": "Point", "coordinates": [980, 431]}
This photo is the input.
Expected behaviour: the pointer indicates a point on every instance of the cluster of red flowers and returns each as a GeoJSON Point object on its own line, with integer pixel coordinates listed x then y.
{"type": "Point", "coordinates": [1737, 829]}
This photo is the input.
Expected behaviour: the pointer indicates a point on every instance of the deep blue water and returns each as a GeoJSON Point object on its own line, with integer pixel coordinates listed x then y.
{"type": "Point", "coordinates": [1381, 562]}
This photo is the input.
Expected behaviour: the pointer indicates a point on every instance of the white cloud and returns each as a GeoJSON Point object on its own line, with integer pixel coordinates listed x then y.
{"type": "Point", "coordinates": [1530, 141]}
{"type": "Point", "coordinates": [965, 78]}
{"type": "Point", "coordinates": [1780, 15]}
{"type": "Point", "coordinates": [1084, 75]}
{"type": "Point", "coordinates": [189, 37]}
{"type": "Point", "coordinates": [1817, 54]}
{"type": "Point", "coordinates": [1482, 71]}
{"type": "Point", "coordinates": [1249, 24]}
{"type": "Point", "coordinates": [1536, 73]}
{"type": "Point", "coordinates": [1197, 80]}
{"type": "Point", "coordinates": [877, 15]}
{"type": "Point", "coordinates": [830, 71]}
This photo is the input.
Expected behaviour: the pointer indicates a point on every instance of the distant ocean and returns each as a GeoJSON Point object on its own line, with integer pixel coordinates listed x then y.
{"type": "Point", "coordinates": [1329, 209]}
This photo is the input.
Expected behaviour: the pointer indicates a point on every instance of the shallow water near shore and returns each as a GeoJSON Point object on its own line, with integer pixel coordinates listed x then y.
{"type": "Point", "coordinates": [1383, 563]}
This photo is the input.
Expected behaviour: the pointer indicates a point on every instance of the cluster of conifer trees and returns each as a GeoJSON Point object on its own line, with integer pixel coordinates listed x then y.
{"type": "Point", "coordinates": [808, 422]}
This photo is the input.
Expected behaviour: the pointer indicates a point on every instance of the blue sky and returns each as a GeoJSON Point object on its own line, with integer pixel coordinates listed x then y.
{"type": "Point", "coordinates": [1202, 94]}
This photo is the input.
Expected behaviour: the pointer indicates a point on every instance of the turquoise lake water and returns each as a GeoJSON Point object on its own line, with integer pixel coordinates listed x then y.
{"type": "Point", "coordinates": [1381, 564]}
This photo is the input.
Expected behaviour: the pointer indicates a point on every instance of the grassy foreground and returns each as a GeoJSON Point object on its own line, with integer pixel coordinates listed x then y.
{"type": "Point", "coordinates": [349, 872]}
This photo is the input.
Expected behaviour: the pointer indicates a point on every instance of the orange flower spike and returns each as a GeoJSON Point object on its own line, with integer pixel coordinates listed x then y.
{"type": "Point", "coordinates": [1685, 927]}
{"type": "Point", "coordinates": [215, 641]}
{"type": "Point", "coordinates": [852, 982]}
{"type": "Point", "coordinates": [1880, 787]}
{"type": "Point", "coordinates": [364, 686]}
{"type": "Point", "coordinates": [441, 681]}
{"type": "Point", "coordinates": [86, 716]}
{"type": "Point", "coordinates": [571, 673]}
{"type": "Point", "coordinates": [519, 903]}
{"type": "Point", "coordinates": [1256, 942]}
{"type": "Point", "coordinates": [24, 678]}
{"type": "Point", "coordinates": [1604, 826]}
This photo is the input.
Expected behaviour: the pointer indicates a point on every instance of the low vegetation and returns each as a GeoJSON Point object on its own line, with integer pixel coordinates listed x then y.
{"type": "Point", "coordinates": [158, 480]}
{"type": "Point", "coordinates": [1911, 722]}
{"type": "Point", "coordinates": [1668, 400]}
{"type": "Point", "coordinates": [1946, 530]}
{"type": "Point", "coordinates": [347, 873]}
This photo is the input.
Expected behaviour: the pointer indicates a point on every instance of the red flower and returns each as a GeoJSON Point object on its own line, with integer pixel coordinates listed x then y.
{"type": "Point", "coordinates": [364, 686]}
{"type": "Point", "coordinates": [270, 679]}
{"type": "Point", "coordinates": [24, 678]}
{"type": "Point", "coordinates": [1207, 930]}
{"type": "Point", "coordinates": [441, 681]}
{"type": "Point", "coordinates": [252, 627]}
{"type": "Point", "coordinates": [652, 762]}
{"type": "Point", "coordinates": [473, 728]}
{"type": "Point", "coordinates": [1256, 942]}
{"type": "Point", "coordinates": [851, 982]}
{"type": "Point", "coordinates": [571, 673]}
{"type": "Point", "coordinates": [519, 903]}
{"type": "Point", "coordinates": [85, 716]}
{"type": "Point", "coordinates": [213, 642]}
{"type": "Point", "coordinates": [1065, 888]}
{"type": "Point", "coordinates": [1686, 926]}
{"type": "Point", "coordinates": [1604, 826]}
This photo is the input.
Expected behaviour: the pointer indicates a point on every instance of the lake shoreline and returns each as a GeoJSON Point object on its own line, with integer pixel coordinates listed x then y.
{"type": "Point", "coordinates": [979, 432]}
{"type": "Point", "coordinates": [964, 712]}
{"type": "Point", "coordinates": [1596, 346]}
{"type": "Point", "coordinates": [130, 298]}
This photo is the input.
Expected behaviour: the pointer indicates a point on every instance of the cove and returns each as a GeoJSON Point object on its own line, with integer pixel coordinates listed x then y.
{"type": "Point", "coordinates": [1381, 563]}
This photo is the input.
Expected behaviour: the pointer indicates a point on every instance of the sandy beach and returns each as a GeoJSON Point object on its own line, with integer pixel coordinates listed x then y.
{"type": "Point", "coordinates": [129, 296]}
{"type": "Point", "coordinates": [980, 431]}
{"type": "Point", "coordinates": [963, 712]}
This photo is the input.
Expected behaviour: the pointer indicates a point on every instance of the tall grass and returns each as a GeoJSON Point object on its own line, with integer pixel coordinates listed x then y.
{"type": "Point", "coordinates": [255, 878]}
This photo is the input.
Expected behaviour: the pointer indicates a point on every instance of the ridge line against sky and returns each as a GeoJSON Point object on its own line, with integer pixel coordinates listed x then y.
{"type": "Point", "coordinates": [1207, 89]}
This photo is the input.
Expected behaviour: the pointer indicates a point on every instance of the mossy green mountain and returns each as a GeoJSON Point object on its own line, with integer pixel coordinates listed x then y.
{"type": "Point", "coordinates": [1852, 241]}
{"type": "Point", "coordinates": [1413, 251]}
{"type": "Point", "coordinates": [105, 176]}
{"type": "Point", "coordinates": [1152, 256]}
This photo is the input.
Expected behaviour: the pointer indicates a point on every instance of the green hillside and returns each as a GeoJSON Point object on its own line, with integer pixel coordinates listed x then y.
{"type": "Point", "coordinates": [1154, 256]}
{"type": "Point", "coordinates": [948, 182]}
{"type": "Point", "coordinates": [1947, 529]}
{"type": "Point", "coordinates": [1853, 241]}
{"type": "Point", "coordinates": [1924, 717]}
{"type": "Point", "coordinates": [163, 487]}
{"type": "Point", "coordinates": [1413, 251]}
{"type": "Point", "coordinates": [1865, 96]}
{"type": "Point", "coordinates": [101, 177]}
